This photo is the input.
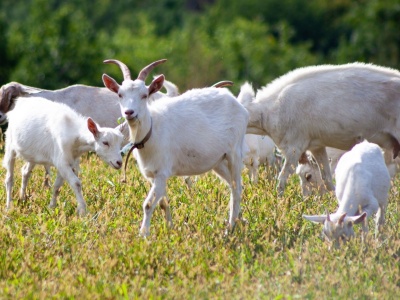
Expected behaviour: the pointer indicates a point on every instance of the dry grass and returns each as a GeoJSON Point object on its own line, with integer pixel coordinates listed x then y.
{"type": "Point", "coordinates": [272, 254]}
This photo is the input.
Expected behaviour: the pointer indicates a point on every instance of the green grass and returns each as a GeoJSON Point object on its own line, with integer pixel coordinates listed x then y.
{"type": "Point", "coordinates": [272, 254]}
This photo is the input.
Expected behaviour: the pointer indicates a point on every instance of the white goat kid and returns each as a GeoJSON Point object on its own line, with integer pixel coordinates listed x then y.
{"type": "Point", "coordinates": [198, 131]}
{"type": "Point", "coordinates": [362, 187]}
{"type": "Point", "coordinates": [336, 106]}
{"type": "Point", "coordinates": [49, 133]}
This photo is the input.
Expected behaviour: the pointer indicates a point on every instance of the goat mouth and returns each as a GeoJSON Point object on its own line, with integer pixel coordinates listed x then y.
{"type": "Point", "coordinates": [115, 166]}
{"type": "Point", "coordinates": [131, 118]}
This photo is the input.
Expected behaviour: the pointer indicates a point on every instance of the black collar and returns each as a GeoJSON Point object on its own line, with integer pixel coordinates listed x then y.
{"type": "Point", "coordinates": [139, 145]}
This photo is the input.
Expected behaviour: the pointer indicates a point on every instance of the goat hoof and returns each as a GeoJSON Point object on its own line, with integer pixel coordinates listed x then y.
{"type": "Point", "coordinates": [144, 232]}
{"type": "Point", "coordinates": [82, 211]}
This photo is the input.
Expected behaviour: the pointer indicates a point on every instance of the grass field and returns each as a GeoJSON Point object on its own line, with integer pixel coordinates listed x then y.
{"type": "Point", "coordinates": [272, 254]}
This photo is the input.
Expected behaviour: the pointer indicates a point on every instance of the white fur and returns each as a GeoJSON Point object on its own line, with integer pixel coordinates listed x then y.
{"type": "Point", "coordinates": [49, 133]}
{"type": "Point", "coordinates": [336, 106]}
{"type": "Point", "coordinates": [362, 187]}
{"type": "Point", "coordinates": [259, 150]}
{"type": "Point", "coordinates": [195, 132]}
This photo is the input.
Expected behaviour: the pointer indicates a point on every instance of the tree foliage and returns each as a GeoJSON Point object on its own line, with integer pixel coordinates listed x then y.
{"type": "Point", "coordinates": [54, 43]}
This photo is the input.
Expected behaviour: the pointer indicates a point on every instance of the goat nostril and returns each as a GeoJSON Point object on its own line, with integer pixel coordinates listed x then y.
{"type": "Point", "coordinates": [129, 112]}
{"type": "Point", "coordinates": [119, 163]}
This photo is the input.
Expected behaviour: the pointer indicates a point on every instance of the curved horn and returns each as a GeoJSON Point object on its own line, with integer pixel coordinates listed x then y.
{"type": "Point", "coordinates": [122, 66]}
{"type": "Point", "coordinates": [146, 70]}
{"type": "Point", "coordinates": [222, 84]}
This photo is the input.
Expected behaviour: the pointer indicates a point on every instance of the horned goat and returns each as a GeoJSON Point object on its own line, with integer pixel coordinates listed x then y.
{"type": "Point", "coordinates": [198, 131]}
{"type": "Point", "coordinates": [362, 187]}
{"type": "Point", "coordinates": [49, 133]}
{"type": "Point", "coordinates": [328, 105]}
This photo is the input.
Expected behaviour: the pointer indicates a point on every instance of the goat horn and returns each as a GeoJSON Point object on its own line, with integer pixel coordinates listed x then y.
{"type": "Point", "coordinates": [122, 66]}
{"type": "Point", "coordinates": [146, 70]}
{"type": "Point", "coordinates": [222, 84]}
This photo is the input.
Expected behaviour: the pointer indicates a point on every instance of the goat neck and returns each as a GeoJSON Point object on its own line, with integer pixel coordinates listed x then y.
{"type": "Point", "coordinates": [140, 129]}
{"type": "Point", "coordinates": [84, 143]}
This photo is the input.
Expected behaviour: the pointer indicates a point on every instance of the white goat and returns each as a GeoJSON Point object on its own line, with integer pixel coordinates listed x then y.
{"type": "Point", "coordinates": [336, 106]}
{"type": "Point", "coordinates": [200, 130]}
{"type": "Point", "coordinates": [48, 133]}
{"type": "Point", "coordinates": [362, 186]}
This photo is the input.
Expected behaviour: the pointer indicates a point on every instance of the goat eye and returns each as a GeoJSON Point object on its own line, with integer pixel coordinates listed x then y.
{"type": "Point", "coordinates": [106, 144]}
{"type": "Point", "coordinates": [308, 177]}
{"type": "Point", "coordinates": [119, 95]}
{"type": "Point", "coordinates": [144, 97]}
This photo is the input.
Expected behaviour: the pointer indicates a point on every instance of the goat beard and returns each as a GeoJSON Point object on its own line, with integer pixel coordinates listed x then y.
{"type": "Point", "coordinates": [133, 129]}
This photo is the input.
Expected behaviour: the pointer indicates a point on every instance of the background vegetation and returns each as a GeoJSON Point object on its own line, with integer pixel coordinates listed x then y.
{"type": "Point", "coordinates": [274, 253]}
{"type": "Point", "coordinates": [53, 43]}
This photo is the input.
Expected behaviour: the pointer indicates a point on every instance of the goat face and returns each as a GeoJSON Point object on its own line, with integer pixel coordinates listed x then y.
{"type": "Point", "coordinates": [337, 230]}
{"type": "Point", "coordinates": [108, 143]}
{"type": "Point", "coordinates": [133, 99]}
{"type": "Point", "coordinates": [133, 94]}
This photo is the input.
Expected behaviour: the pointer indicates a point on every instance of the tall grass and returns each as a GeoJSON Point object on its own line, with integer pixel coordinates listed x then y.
{"type": "Point", "coordinates": [272, 254]}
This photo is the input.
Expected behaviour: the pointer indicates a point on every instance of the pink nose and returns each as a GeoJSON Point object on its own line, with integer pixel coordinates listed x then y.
{"type": "Point", "coordinates": [129, 112]}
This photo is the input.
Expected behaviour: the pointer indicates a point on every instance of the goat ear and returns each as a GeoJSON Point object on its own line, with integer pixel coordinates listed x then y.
{"type": "Point", "coordinates": [156, 84]}
{"type": "Point", "coordinates": [303, 159]}
{"type": "Point", "coordinates": [110, 83]}
{"type": "Point", "coordinates": [121, 127]}
{"type": "Point", "coordinates": [93, 127]}
{"type": "Point", "coordinates": [358, 219]}
{"type": "Point", "coordinates": [8, 94]}
{"type": "Point", "coordinates": [315, 219]}
{"type": "Point", "coordinates": [341, 219]}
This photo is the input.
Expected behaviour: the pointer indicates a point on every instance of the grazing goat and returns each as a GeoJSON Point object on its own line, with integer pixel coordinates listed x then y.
{"type": "Point", "coordinates": [48, 133]}
{"type": "Point", "coordinates": [362, 186]}
{"type": "Point", "coordinates": [198, 131]}
{"type": "Point", "coordinates": [336, 106]}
